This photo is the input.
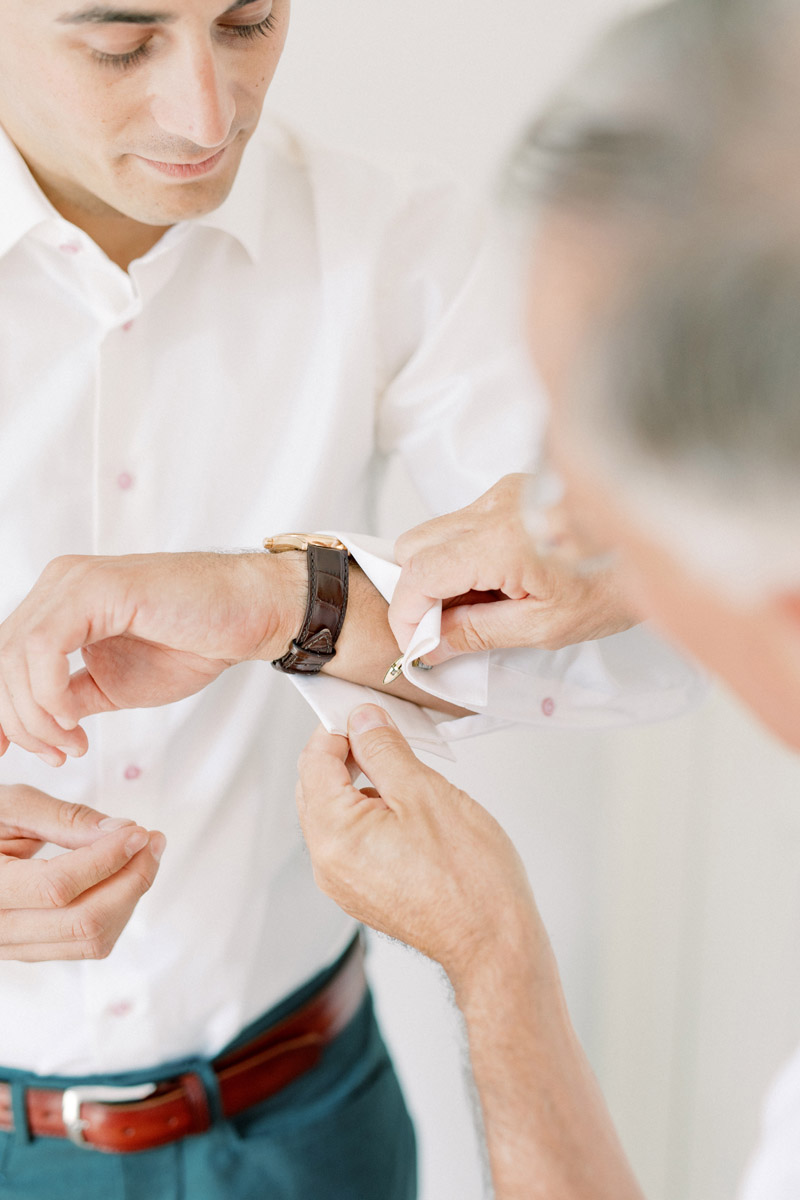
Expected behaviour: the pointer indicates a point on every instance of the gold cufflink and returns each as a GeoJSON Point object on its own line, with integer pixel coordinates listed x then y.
{"type": "Point", "coordinates": [396, 669]}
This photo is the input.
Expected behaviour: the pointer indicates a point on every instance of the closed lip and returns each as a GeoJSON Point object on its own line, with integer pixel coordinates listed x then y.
{"type": "Point", "coordinates": [185, 169]}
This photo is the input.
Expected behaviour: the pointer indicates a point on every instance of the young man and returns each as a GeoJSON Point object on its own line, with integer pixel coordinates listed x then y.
{"type": "Point", "coordinates": [203, 342]}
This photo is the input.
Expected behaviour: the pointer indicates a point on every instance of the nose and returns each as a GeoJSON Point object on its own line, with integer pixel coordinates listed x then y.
{"type": "Point", "coordinates": [193, 99]}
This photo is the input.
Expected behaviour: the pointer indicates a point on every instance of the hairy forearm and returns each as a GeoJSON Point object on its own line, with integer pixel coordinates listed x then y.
{"type": "Point", "coordinates": [548, 1130]}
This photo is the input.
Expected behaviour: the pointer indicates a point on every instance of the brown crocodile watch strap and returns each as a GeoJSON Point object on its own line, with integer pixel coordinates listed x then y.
{"type": "Point", "coordinates": [315, 644]}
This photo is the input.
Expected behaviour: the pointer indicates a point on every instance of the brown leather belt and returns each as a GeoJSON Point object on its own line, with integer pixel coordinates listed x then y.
{"type": "Point", "coordinates": [174, 1108]}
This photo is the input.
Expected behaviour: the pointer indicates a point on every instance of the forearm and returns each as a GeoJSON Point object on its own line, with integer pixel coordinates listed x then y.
{"type": "Point", "coordinates": [367, 646]}
{"type": "Point", "coordinates": [548, 1130]}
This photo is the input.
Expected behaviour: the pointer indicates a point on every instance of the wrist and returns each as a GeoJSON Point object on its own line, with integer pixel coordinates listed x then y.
{"type": "Point", "coordinates": [514, 948]}
{"type": "Point", "coordinates": [280, 598]}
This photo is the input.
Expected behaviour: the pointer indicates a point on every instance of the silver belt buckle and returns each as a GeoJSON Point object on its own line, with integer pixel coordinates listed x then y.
{"type": "Point", "coordinates": [74, 1097]}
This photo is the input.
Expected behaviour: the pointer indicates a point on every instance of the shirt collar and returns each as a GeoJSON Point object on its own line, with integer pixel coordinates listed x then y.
{"type": "Point", "coordinates": [24, 205]}
{"type": "Point", "coordinates": [241, 214]}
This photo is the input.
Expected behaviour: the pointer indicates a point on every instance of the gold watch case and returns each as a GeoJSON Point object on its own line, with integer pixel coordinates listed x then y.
{"type": "Point", "coordinates": [301, 541]}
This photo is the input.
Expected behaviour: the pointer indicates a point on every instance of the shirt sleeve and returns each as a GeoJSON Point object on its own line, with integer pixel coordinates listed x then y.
{"type": "Point", "coordinates": [458, 397]}
{"type": "Point", "coordinates": [630, 678]}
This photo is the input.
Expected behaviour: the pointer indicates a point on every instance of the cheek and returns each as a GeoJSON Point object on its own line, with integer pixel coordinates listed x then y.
{"type": "Point", "coordinates": [73, 106]}
{"type": "Point", "coordinates": [678, 608]}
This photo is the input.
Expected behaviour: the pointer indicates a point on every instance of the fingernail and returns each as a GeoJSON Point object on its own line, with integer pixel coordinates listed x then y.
{"type": "Point", "coordinates": [158, 844]}
{"type": "Point", "coordinates": [109, 824]}
{"type": "Point", "coordinates": [137, 841]}
{"type": "Point", "coordinates": [50, 758]}
{"type": "Point", "coordinates": [71, 751]}
{"type": "Point", "coordinates": [368, 716]}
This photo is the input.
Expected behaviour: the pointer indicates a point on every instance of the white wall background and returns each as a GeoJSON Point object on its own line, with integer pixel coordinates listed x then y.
{"type": "Point", "coordinates": [664, 859]}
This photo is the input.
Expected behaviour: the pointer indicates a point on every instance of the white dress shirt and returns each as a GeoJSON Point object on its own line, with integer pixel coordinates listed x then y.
{"type": "Point", "coordinates": [247, 376]}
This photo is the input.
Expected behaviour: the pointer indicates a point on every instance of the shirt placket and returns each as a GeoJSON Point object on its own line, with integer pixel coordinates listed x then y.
{"type": "Point", "coordinates": [127, 746]}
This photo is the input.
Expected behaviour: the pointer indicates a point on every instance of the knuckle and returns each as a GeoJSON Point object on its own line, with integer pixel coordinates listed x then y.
{"type": "Point", "coordinates": [473, 639]}
{"type": "Point", "coordinates": [403, 547]}
{"type": "Point", "coordinates": [140, 883]}
{"type": "Point", "coordinates": [75, 815]}
{"type": "Point", "coordinates": [58, 566]}
{"type": "Point", "coordinates": [97, 948]}
{"type": "Point", "coordinates": [382, 742]}
{"type": "Point", "coordinates": [55, 889]}
{"type": "Point", "coordinates": [91, 934]}
{"type": "Point", "coordinates": [413, 567]}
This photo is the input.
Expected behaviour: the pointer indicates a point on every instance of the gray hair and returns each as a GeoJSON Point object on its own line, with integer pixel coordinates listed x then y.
{"type": "Point", "coordinates": [679, 138]}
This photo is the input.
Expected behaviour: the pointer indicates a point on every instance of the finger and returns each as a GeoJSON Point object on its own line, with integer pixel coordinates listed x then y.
{"type": "Point", "coordinates": [323, 772]}
{"type": "Point", "coordinates": [20, 847]}
{"type": "Point", "coordinates": [27, 812]}
{"type": "Point", "coordinates": [26, 722]}
{"type": "Point", "coordinates": [56, 882]}
{"type": "Point", "coordinates": [87, 698]}
{"type": "Point", "coordinates": [382, 753]}
{"type": "Point", "coordinates": [435, 532]}
{"type": "Point", "coordinates": [476, 564]}
{"type": "Point", "coordinates": [472, 628]}
{"type": "Point", "coordinates": [89, 927]}
{"type": "Point", "coordinates": [14, 729]}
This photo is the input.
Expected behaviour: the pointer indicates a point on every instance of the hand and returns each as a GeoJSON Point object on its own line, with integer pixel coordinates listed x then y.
{"type": "Point", "coordinates": [497, 591]}
{"type": "Point", "coordinates": [413, 857]}
{"type": "Point", "coordinates": [76, 904]}
{"type": "Point", "coordinates": [153, 628]}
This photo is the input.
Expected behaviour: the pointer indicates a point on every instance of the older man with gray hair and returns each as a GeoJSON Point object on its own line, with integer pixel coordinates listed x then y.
{"type": "Point", "coordinates": [663, 318]}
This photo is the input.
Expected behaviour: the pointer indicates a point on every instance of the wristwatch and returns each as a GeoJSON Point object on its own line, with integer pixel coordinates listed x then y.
{"type": "Point", "coordinates": [328, 574]}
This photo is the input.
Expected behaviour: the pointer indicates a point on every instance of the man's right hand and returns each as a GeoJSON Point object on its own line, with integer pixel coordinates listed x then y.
{"type": "Point", "coordinates": [153, 628]}
{"type": "Point", "coordinates": [75, 905]}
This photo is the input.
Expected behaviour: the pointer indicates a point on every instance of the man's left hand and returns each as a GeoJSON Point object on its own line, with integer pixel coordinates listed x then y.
{"type": "Point", "coordinates": [413, 856]}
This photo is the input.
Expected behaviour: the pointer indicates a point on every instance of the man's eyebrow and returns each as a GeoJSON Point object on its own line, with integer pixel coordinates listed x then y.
{"type": "Point", "coordinates": [102, 15]}
{"type": "Point", "coordinates": [110, 16]}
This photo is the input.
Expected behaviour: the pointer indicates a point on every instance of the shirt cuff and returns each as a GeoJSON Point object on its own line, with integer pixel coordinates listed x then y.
{"type": "Point", "coordinates": [625, 679]}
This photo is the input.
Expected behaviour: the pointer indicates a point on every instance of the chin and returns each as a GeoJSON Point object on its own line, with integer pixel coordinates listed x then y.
{"type": "Point", "coordinates": [184, 201]}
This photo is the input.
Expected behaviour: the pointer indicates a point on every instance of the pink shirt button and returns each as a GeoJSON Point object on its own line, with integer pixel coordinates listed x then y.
{"type": "Point", "coordinates": [69, 248]}
{"type": "Point", "coordinates": [124, 481]}
{"type": "Point", "coordinates": [128, 326]}
{"type": "Point", "coordinates": [548, 706]}
{"type": "Point", "coordinates": [119, 1008]}
{"type": "Point", "coordinates": [132, 772]}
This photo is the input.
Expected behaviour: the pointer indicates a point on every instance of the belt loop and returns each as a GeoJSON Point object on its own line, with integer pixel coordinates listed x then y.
{"type": "Point", "coordinates": [207, 1075]}
{"type": "Point", "coordinates": [22, 1132]}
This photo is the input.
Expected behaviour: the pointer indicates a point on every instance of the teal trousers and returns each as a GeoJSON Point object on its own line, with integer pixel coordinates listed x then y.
{"type": "Point", "coordinates": [339, 1132]}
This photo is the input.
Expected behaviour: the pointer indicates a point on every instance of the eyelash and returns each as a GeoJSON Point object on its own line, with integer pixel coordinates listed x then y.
{"type": "Point", "coordinates": [123, 61]}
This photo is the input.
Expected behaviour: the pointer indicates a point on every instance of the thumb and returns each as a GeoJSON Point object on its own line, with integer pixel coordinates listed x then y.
{"type": "Point", "coordinates": [471, 628]}
{"type": "Point", "coordinates": [381, 751]}
{"type": "Point", "coordinates": [31, 813]}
